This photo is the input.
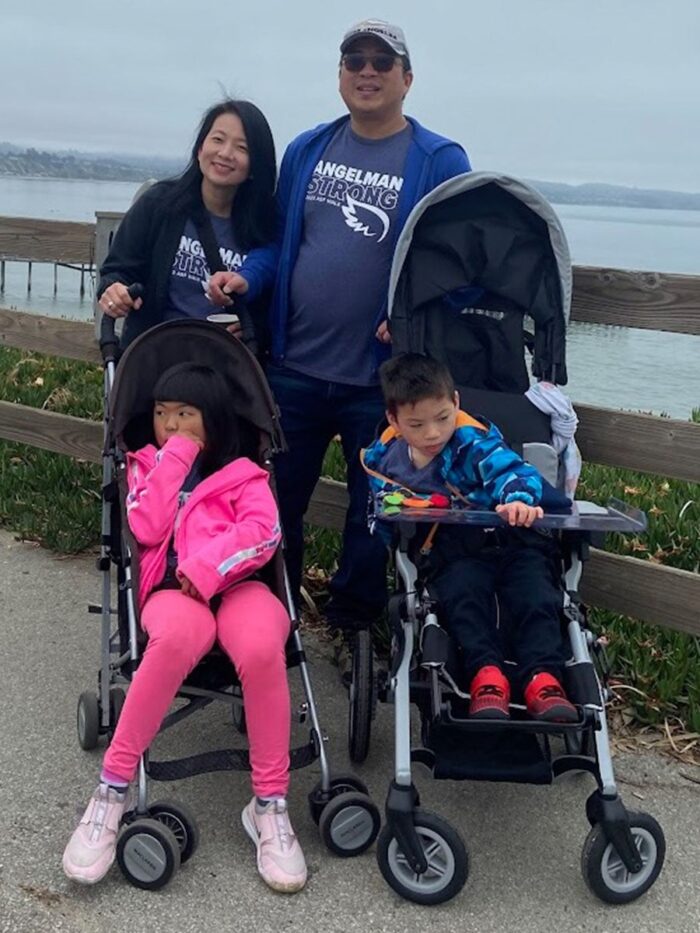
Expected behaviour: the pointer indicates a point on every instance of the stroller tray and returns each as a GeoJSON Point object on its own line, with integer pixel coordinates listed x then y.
{"type": "Point", "coordinates": [584, 516]}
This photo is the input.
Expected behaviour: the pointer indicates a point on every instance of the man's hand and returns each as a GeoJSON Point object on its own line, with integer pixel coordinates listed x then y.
{"type": "Point", "coordinates": [222, 285]}
{"type": "Point", "coordinates": [116, 301]}
{"type": "Point", "coordinates": [518, 513]}
{"type": "Point", "coordinates": [188, 587]}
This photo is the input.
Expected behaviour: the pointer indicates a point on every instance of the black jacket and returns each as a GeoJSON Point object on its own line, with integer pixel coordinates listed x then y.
{"type": "Point", "coordinates": [143, 250]}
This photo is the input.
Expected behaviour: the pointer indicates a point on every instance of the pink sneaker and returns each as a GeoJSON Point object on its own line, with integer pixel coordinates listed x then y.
{"type": "Point", "coordinates": [281, 862]}
{"type": "Point", "coordinates": [91, 849]}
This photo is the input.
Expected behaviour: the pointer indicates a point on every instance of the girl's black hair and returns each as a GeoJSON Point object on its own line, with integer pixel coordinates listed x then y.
{"type": "Point", "coordinates": [206, 389]}
{"type": "Point", "coordinates": [253, 216]}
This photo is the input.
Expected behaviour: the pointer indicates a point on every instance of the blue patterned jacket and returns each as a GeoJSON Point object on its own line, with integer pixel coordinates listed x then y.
{"type": "Point", "coordinates": [476, 462]}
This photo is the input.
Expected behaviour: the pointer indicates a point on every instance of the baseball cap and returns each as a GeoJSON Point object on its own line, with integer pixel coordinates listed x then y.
{"type": "Point", "coordinates": [390, 35]}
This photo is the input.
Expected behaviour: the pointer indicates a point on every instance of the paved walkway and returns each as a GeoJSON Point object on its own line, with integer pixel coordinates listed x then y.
{"type": "Point", "coordinates": [524, 842]}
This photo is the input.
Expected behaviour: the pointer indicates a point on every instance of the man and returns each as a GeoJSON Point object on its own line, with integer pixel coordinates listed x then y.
{"type": "Point", "coordinates": [345, 191]}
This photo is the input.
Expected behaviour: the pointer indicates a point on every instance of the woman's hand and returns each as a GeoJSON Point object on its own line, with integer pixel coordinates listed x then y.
{"type": "Point", "coordinates": [222, 285]}
{"type": "Point", "coordinates": [518, 513]}
{"type": "Point", "coordinates": [188, 588]}
{"type": "Point", "coordinates": [116, 301]}
{"type": "Point", "coordinates": [383, 335]}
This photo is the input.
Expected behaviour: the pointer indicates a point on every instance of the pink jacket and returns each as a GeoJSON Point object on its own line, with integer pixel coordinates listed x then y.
{"type": "Point", "coordinates": [227, 529]}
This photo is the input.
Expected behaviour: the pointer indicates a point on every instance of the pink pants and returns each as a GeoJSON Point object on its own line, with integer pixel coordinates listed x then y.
{"type": "Point", "coordinates": [252, 627]}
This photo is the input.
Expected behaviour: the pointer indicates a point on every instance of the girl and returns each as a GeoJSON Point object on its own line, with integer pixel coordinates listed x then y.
{"type": "Point", "coordinates": [205, 519]}
{"type": "Point", "coordinates": [219, 211]}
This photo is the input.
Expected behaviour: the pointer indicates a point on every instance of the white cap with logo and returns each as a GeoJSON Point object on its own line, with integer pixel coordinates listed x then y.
{"type": "Point", "coordinates": [390, 35]}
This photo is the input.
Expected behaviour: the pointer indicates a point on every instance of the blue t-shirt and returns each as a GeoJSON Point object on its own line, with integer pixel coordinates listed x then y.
{"type": "Point", "coordinates": [341, 275]}
{"type": "Point", "coordinates": [186, 297]}
{"type": "Point", "coordinates": [398, 465]}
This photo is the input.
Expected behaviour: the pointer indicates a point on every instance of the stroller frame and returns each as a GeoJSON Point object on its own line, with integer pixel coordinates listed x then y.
{"type": "Point", "coordinates": [155, 839]}
{"type": "Point", "coordinates": [624, 851]}
{"type": "Point", "coordinates": [478, 256]}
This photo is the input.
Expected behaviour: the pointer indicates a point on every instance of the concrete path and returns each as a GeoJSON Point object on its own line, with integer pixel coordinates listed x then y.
{"type": "Point", "coordinates": [524, 842]}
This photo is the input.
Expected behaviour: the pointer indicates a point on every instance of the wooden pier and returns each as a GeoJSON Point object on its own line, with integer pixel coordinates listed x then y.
{"type": "Point", "coordinates": [66, 243]}
{"type": "Point", "coordinates": [667, 447]}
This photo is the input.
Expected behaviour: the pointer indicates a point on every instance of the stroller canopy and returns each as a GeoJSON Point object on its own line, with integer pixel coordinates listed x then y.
{"type": "Point", "coordinates": [477, 255]}
{"type": "Point", "coordinates": [131, 400]}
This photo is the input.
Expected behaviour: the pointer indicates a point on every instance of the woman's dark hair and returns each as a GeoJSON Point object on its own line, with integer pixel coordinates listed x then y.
{"type": "Point", "coordinates": [253, 217]}
{"type": "Point", "coordinates": [205, 389]}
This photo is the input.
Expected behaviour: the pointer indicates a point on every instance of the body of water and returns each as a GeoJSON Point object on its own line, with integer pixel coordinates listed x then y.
{"type": "Point", "coordinates": [617, 367]}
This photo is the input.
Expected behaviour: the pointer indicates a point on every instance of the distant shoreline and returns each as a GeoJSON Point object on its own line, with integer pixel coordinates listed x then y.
{"type": "Point", "coordinates": [33, 164]}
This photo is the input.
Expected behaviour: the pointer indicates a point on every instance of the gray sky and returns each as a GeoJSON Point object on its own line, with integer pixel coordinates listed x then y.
{"type": "Point", "coordinates": [562, 90]}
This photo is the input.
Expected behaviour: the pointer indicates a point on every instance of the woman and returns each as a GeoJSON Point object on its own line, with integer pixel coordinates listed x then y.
{"type": "Point", "coordinates": [219, 212]}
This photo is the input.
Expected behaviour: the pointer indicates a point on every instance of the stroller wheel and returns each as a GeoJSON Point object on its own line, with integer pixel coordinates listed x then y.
{"type": "Point", "coordinates": [116, 701]}
{"type": "Point", "coordinates": [362, 697]}
{"type": "Point", "coordinates": [148, 854]}
{"type": "Point", "coordinates": [604, 871]}
{"type": "Point", "coordinates": [349, 824]}
{"type": "Point", "coordinates": [340, 784]}
{"type": "Point", "coordinates": [88, 720]}
{"type": "Point", "coordinates": [181, 822]}
{"type": "Point", "coordinates": [445, 852]}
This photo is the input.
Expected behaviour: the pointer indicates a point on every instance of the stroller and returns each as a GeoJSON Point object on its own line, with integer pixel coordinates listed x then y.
{"type": "Point", "coordinates": [155, 838]}
{"type": "Point", "coordinates": [478, 256]}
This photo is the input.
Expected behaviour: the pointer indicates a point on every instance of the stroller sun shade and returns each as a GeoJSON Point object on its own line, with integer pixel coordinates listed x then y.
{"type": "Point", "coordinates": [477, 255]}
{"type": "Point", "coordinates": [190, 341]}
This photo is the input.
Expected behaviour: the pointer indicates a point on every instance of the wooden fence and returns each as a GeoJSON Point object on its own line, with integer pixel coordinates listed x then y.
{"type": "Point", "coordinates": [663, 446]}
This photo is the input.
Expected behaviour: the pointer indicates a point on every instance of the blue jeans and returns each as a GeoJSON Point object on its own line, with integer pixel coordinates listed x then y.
{"type": "Point", "coordinates": [313, 412]}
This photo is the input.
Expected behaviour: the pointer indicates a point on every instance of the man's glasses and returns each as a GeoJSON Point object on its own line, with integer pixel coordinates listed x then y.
{"type": "Point", "coordinates": [356, 61]}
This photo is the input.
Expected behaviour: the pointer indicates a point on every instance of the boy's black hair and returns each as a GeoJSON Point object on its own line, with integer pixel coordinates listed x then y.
{"type": "Point", "coordinates": [412, 377]}
{"type": "Point", "coordinates": [253, 217]}
{"type": "Point", "coordinates": [206, 389]}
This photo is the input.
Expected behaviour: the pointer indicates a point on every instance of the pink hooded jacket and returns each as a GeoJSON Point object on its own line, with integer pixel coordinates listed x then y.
{"type": "Point", "coordinates": [227, 529]}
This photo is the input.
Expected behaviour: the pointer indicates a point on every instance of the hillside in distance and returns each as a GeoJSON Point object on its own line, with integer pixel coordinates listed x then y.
{"type": "Point", "coordinates": [15, 160]}
{"type": "Point", "coordinates": [37, 163]}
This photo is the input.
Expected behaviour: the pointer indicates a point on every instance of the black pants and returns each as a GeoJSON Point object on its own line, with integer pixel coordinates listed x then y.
{"type": "Point", "coordinates": [312, 413]}
{"type": "Point", "coordinates": [470, 568]}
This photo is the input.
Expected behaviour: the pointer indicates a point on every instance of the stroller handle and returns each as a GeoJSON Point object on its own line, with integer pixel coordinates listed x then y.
{"type": "Point", "coordinates": [109, 342]}
{"type": "Point", "coordinates": [247, 335]}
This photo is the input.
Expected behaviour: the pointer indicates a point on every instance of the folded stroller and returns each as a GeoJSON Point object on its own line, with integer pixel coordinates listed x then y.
{"type": "Point", "coordinates": [157, 837]}
{"type": "Point", "coordinates": [480, 257]}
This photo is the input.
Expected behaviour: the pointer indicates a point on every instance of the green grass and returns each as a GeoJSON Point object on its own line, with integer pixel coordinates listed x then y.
{"type": "Point", "coordinates": [45, 497]}
{"type": "Point", "coordinates": [55, 501]}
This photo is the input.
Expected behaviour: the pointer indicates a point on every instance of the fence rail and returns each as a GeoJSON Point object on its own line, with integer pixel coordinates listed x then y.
{"type": "Point", "coordinates": [664, 446]}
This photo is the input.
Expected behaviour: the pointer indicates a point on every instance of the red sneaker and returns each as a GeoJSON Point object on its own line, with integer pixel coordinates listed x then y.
{"type": "Point", "coordinates": [545, 699]}
{"type": "Point", "coordinates": [490, 693]}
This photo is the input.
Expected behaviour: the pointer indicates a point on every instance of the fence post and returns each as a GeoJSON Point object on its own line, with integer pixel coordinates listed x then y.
{"type": "Point", "coordinates": [106, 223]}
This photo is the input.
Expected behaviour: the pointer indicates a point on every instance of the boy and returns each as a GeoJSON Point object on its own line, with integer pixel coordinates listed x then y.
{"type": "Point", "coordinates": [431, 446]}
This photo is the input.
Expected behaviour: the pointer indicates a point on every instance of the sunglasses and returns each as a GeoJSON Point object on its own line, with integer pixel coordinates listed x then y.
{"type": "Point", "coordinates": [356, 61]}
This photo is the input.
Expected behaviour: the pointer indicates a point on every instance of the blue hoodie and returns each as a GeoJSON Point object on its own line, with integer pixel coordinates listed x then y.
{"type": "Point", "coordinates": [430, 160]}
